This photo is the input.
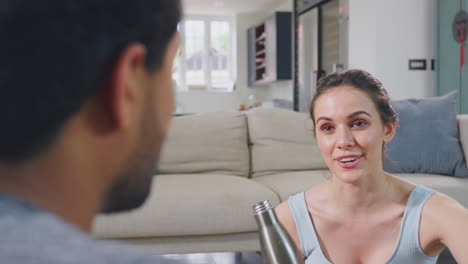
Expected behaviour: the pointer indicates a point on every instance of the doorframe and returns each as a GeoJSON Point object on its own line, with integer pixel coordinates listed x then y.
{"type": "Point", "coordinates": [463, 5]}
{"type": "Point", "coordinates": [300, 7]}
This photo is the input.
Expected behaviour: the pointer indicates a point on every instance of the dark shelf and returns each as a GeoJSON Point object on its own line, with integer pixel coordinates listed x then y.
{"type": "Point", "coordinates": [260, 59]}
{"type": "Point", "coordinates": [269, 50]}
{"type": "Point", "coordinates": [260, 52]}
{"type": "Point", "coordinates": [262, 37]}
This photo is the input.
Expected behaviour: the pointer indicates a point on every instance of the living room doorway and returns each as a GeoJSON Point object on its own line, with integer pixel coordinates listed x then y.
{"type": "Point", "coordinates": [320, 45]}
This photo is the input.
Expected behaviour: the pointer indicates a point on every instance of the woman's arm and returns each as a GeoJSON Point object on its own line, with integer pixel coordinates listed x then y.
{"type": "Point", "coordinates": [452, 220]}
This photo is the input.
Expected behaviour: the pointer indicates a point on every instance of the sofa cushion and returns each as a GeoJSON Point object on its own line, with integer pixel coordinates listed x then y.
{"type": "Point", "coordinates": [426, 139]}
{"type": "Point", "coordinates": [184, 205]}
{"type": "Point", "coordinates": [289, 183]}
{"type": "Point", "coordinates": [282, 140]}
{"type": "Point", "coordinates": [457, 188]}
{"type": "Point", "coordinates": [207, 143]}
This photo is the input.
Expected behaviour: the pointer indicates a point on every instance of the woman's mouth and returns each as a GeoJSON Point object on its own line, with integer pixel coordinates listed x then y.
{"type": "Point", "coordinates": [348, 162]}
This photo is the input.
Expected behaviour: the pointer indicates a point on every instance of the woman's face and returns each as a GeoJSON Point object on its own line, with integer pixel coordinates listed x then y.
{"type": "Point", "coordinates": [350, 133]}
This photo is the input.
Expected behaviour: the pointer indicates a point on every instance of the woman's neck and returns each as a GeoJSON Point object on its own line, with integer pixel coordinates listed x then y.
{"type": "Point", "coordinates": [363, 195]}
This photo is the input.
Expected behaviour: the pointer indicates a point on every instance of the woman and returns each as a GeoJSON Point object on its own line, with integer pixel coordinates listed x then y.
{"type": "Point", "coordinates": [362, 214]}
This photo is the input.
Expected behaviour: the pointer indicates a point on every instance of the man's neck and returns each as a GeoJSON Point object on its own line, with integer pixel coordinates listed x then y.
{"type": "Point", "coordinates": [63, 193]}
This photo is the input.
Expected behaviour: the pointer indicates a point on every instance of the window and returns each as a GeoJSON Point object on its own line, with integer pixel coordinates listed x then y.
{"type": "Point", "coordinates": [204, 61]}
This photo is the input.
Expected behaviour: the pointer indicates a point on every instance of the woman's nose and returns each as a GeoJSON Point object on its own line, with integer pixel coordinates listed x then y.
{"type": "Point", "coordinates": [345, 139]}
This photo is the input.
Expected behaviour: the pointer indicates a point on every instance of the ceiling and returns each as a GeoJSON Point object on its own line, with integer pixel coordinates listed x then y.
{"type": "Point", "coordinates": [215, 7]}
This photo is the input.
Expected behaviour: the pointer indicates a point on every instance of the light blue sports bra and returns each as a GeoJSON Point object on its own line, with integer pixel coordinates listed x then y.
{"type": "Point", "coordinates": [407, 250]}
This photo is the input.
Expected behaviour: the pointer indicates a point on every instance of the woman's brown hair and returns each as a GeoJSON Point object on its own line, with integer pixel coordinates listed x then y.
{"type": "Point", "coordinates": [363, 81]}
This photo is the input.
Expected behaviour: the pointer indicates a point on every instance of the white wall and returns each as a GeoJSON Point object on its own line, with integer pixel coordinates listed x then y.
{"type": "Point", "coordinates": [202, 101]}
{"type": "Point", "coordinates": [199, 101]}
{"type": "Point", "coordinates": [363, 35]}
{"type": "Point", "coordinates": [384, 35]}
{"type": "Point", "coordinates": [281, 89]}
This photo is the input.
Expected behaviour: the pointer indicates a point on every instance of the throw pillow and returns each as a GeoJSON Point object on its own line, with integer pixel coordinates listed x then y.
{"type": "Point", "coordinates": [426, 139]}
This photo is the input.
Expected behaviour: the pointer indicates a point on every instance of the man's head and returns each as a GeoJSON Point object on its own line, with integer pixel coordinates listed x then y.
{"type": "Point", "coordinates": [110, 57]}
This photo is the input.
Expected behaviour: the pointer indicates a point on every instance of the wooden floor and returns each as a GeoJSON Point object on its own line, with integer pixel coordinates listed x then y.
{"type": "Point", "coordinates": [255, 258]}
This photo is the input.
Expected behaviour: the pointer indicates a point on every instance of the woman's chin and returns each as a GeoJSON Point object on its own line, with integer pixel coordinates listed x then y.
{"type": "Point", "coordinates": [350, 177]}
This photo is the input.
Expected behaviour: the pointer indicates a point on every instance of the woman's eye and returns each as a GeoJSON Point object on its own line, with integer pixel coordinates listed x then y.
{"type": "Point", "coordinates": [326, 128]}
{"type": "Point", "coordinates": [359, 123]}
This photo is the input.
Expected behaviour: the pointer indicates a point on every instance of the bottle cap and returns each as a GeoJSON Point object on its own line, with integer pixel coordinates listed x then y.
{"type": "Point", "coordinates": [261, 207]}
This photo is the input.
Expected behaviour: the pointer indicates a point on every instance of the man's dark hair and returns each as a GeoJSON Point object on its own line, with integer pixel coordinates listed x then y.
{"type": "Point", "coordinates": [55, 54]}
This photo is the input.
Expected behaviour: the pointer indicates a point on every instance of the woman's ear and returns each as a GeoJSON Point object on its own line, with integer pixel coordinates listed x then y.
{"type": "Point", "coordinates": [389, 131]}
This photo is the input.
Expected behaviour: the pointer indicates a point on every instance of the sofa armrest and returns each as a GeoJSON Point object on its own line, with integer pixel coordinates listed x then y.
{"type": "Point", "coordinates": [463, 132]}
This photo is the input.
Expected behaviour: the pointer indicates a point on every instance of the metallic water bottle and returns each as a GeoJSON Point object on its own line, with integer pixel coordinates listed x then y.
{"type": "Point", "coordinates": [277, 245]}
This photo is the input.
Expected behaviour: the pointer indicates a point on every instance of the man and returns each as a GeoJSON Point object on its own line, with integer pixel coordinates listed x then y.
{"type": "Point", "coordinates": [86, 99]}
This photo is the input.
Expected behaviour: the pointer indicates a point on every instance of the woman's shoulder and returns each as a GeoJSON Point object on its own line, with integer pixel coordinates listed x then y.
{"type": "Point", "coordinates": [440, 206]}
{"type": "Point", "coordinates": [444, 222]}
{"type": "Point", "coordinates": [437, 205]}
{"type": "Point", "coordinates": [284, 211]}
{"type": "Point", "coordinates": [285, 217]}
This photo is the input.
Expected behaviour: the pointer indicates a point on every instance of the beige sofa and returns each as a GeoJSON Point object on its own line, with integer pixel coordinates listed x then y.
{"type": "Point", "coordinates": [215, 166]}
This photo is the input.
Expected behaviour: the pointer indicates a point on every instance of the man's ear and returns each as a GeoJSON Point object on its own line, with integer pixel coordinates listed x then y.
{"type": "Point", "coordinates": [389, 131]}
{"type": "Point", "coordinates": [123, 85]}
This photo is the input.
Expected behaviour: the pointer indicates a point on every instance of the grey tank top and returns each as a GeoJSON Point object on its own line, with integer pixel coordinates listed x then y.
{"type": "Point", "coordinates": [407, 250]}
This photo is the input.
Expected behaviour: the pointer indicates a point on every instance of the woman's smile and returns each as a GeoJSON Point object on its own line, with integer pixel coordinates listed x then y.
{"type": "Point", "coordinates": [349, 161]}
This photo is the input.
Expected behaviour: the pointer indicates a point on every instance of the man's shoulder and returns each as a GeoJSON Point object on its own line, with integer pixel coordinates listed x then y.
{"type": "Point", "coordinates": [31, 235]}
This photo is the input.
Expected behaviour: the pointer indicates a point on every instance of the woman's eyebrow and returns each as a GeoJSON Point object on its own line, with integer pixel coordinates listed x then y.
{"type": "Point", "coordinates": [323, 118]}
{"type": "Point", "coordinates": [362, 112]}
{"type": "Point", "coordinates": [359, 113]}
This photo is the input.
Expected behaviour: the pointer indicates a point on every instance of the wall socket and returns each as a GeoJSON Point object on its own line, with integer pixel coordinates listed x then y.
{"type": "Point", "coordinates": [417, 64]}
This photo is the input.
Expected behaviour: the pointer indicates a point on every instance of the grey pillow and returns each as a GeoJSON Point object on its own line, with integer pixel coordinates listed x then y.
{"type": "Point", "coordinates": [426, 139]}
